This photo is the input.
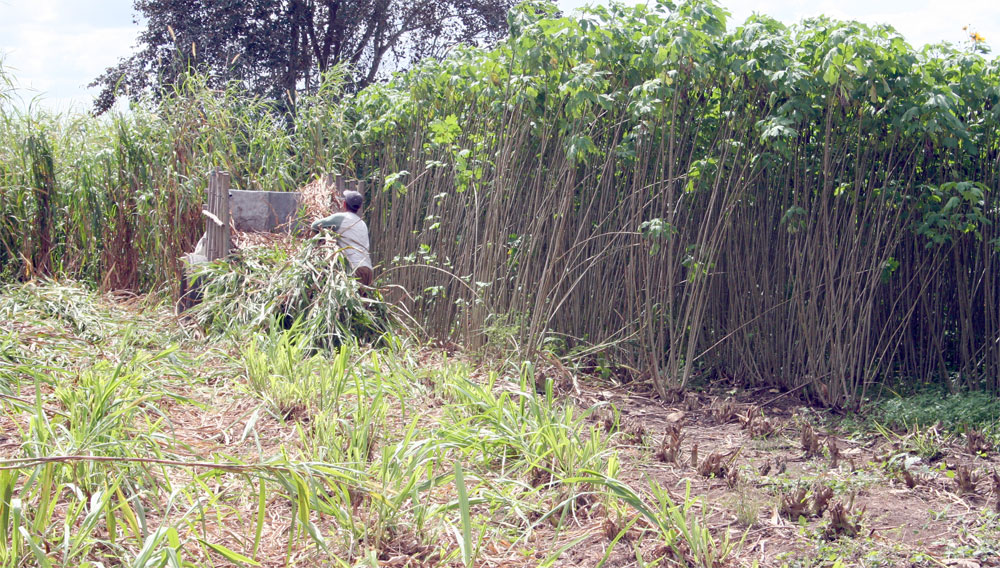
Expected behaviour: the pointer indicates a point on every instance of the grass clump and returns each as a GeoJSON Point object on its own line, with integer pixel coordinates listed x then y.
{"type": "Point", "coordinates": [68, 303]}
{"type": "Point", "coordinates": [286, 372]}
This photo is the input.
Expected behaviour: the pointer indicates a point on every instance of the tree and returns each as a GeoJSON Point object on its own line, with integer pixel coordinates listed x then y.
{"type": "Point", "coordinates": [277, 48]}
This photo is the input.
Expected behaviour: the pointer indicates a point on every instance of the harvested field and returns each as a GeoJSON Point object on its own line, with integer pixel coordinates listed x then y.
{"type": "Point", "coordinates": [420, 457]}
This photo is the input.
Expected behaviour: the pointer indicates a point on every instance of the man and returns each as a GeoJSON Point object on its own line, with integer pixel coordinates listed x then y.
{"type": "Point", "coordinates": [352, 235]}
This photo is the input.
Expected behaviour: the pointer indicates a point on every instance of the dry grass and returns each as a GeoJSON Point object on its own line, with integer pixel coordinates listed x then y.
{"type": "Point", "coordinates": [284, 241]}
{"type": "Point", "coordinates": [316, 199]}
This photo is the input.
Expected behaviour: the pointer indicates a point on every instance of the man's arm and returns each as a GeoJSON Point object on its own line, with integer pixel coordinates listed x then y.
{"type": "Point", "coordinates": [332, 222]}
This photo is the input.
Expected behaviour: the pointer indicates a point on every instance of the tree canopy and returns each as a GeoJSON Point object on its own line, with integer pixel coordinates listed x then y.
{"type": "Point", "coordinates": [279, 48]}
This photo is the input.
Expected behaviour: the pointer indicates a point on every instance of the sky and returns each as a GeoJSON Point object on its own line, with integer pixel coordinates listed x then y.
{"type": "Point", "coordinates": [54, 48]}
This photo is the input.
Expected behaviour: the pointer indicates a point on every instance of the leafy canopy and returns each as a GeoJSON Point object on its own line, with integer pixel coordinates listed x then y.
{"type": "Point", "coordinates": [276, 49]}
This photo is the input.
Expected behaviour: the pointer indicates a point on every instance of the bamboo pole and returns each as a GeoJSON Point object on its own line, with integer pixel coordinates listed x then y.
{"type": "Point", "coordinates": [329, 182]}
{"type": "Point", "coordinates": [219, 241]}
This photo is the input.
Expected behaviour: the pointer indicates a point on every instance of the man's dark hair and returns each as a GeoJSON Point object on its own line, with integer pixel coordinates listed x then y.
{"type": "Point", "coordinates": [353, 201]}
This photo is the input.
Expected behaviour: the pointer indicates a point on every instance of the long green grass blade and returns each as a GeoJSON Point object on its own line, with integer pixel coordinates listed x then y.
{"type": "Point", "coordinates": [463, 507]}
{"type": "Point", "coordinates": [231, 555]}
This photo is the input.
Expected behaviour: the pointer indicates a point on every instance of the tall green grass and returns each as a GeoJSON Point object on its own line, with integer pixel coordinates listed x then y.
{"type": "Point", "coordinates": [119, 196]}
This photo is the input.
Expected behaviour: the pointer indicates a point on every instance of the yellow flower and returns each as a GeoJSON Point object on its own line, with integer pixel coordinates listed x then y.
{"type": "Point", "coordinates": [976, 37]}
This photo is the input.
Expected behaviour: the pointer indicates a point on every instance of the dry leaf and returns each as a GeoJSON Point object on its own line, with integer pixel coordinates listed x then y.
{"type": "Point", "coordinates": [962, 563]}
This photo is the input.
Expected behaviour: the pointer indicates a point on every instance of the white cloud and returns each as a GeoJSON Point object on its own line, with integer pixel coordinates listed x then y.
{"type": "Point", "coordinates": [46, 11]}
{"type": "Point", "coordinates": [54, 48]}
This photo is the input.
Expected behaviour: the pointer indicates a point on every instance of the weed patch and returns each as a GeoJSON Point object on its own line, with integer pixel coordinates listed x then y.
{"type": "Point", "coordinates": [955, 412]}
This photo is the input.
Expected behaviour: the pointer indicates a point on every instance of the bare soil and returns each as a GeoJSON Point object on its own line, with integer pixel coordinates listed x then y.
{"type": "Point", "coordinates": [933, 523]}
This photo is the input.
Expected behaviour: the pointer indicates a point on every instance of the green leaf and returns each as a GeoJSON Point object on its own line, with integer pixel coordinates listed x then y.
{"type": "Point", "coordinates": [173, 539]}
{"type": "Point", "coordinates": [463, 506]}
{"type": "Point", "coordinates": [230, 555]}
{"type": "Point", "coordinates": [39, 554]}
{"type": "Point", "coordinates": [392, 181]}
{"type": "Point", "coordinates": [551, 558]}
{"type": "Point", "coordinates": [261, 514]}
{"type": "Point", "coordinates": [832, 75]}
{"type": "Point", "coordinates": [445, 131]}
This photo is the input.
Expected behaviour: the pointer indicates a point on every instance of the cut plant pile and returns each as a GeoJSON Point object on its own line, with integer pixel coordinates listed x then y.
{"type": "Point", "coordinates": [317, 199]}
{"type": "Point", "coordinates": [131, 439]}
{"type": "Point", "coordinates": [303, 282]}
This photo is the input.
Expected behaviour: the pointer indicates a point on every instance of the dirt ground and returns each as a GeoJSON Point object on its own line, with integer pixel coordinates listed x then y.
{"type": "Point", "coordinates": [759, 436]}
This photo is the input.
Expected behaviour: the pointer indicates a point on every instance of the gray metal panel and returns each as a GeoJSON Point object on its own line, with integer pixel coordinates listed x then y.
{"type": "Point", "coordinates": [264, 211]}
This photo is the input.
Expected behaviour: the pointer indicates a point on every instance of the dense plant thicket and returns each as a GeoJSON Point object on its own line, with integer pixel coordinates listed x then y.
{"type": "Point", "coordinates": [115, 200]}
{"type": "Point", "coordinates": [779, 205]}
{"type": "Point", "coordinates": [810, 205]}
